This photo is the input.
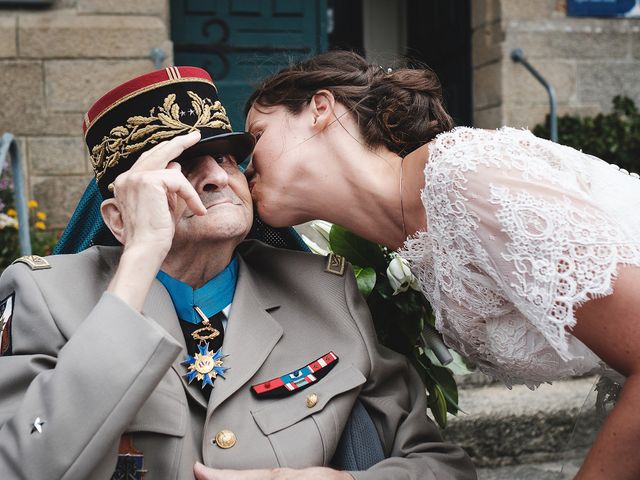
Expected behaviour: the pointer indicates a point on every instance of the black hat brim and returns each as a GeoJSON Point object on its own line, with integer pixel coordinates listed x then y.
{"type": "Point", "coordinates": [239, 144]}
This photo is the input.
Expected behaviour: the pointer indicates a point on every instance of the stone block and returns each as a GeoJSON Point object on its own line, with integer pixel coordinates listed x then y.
{"type": "Point", "coordinates": [551, 40]}
{"type": "Point", "coordinates": [21, 90]}
{"type": "Point", "coordinates": [137, 7]}
{"type": "Point", "coordinates": [486, 44]}
{"type": "Point", "coordinates": [57, 155]}
{"type": "Point", "coordinates": [64, 34]}
{"type": "Point", "coordinates": [484, 11]}
{"type": "Point", "coordinates": [521, 87]}
{"type": "Point", "coordinates": [487, 86]}
{"type": "Point", "coordinates": [511, 9]}
{"type": "Point", "coordinates": [600, 82]}
{"type": "Point", "coordinates": [73, 85]}
{"type": "Point", "coordinates": [58, 196]}
{"type": "Point", "coordinates": [23, 109]}
{"type": "Point", "coordinates": [8, 46]}
{"type": "Point", "coordinates": [635, 44]}
{"type": "Point", "coordinates": [488, 118]}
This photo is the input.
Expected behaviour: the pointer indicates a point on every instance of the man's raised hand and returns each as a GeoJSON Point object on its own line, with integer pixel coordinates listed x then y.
{"type": "Point", "coordinates": [148, 200]}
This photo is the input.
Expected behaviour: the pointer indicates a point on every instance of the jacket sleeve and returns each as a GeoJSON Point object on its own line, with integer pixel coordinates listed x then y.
{"type": "Point", "coordinates": [85, 389]}
{"type": "Point", "coordinates": [395, 398]}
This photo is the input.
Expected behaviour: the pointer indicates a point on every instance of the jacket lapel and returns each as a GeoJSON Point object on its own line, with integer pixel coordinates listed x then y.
{"type": "Point", "coordinates": [249, 338]}
{"type": "Point", "coordinates": [159, 307]}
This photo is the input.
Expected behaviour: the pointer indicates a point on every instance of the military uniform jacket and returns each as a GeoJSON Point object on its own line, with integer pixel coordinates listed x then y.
{"type": "Point", "coordinates": [92, 369]}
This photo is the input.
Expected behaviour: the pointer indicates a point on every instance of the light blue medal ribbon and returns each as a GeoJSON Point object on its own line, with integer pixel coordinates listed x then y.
{"type": "Point", "coordinates": [211, 298]}
{"type": "Point", "coordinates": [195, 306]}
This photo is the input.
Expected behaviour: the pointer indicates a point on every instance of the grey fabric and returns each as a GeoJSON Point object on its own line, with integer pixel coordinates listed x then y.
{"type": "Point", "coordinates": [359, 447]}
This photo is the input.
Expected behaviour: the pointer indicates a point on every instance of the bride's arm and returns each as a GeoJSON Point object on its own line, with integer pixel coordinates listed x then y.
{"type": "Point", "coordinates": [610, 326]}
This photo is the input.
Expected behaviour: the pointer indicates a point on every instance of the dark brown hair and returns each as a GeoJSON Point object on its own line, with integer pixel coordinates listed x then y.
{"type": "Point", "coordinates": [400, 109]}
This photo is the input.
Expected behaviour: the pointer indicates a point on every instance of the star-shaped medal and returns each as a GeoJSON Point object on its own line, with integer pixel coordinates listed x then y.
{"type": "Point", "coordinates": [205, 366]}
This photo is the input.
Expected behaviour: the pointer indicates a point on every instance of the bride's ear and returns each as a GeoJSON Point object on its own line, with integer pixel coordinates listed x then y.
{"type": "Point", "coordinates": [322, 109]}
{"type": "Point", "coordinates": [112, 218]}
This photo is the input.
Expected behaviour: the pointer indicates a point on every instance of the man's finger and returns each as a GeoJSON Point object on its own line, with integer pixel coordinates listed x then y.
{"type": "Point", "coordinates": [170, 179]}
{"type": "Point", "coordinates": [205, 473]}
{"type": "Point", "coordinates": [166, 152]}
{"type": "Point", "coordinates": [155, 148]}
{"type": "Point", "coordinates": [177, 183]}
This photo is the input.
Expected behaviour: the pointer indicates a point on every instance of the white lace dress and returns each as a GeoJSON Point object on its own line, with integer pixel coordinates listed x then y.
{"type": "Point", "coordinates": [520, 231]}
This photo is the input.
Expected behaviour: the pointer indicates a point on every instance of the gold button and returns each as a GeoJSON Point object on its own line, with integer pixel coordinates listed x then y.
{"type": "Point", "coordinates": [110, 187]}
{"type": "Point", "coordinates": [312, 400]}
{"type": "Point", "coordinates": [225, 439]}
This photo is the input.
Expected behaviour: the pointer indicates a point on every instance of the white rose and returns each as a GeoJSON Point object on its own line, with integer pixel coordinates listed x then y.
{"type": "Point", "coordinates": [313, 246]}
{"type": "Point", "coordinates": [322, 227]}
{"type": "Point", "coordinates": [400, 276]}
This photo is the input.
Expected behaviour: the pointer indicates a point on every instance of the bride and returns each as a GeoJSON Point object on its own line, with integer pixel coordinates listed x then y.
{"type": "Point", "coordinates": [528, 251]}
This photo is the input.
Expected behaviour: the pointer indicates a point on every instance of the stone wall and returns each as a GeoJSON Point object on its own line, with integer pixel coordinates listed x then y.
{"type": "Point", "coordinates": [587, 60]}
{"type": "Point", "coordinates": [54, 63]}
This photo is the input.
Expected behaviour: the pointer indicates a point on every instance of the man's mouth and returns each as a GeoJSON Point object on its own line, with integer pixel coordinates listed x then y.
{"type": "Point", "coordinates": [219, 202]}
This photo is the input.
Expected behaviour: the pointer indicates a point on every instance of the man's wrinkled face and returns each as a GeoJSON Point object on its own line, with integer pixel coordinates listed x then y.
{"type": "Point", "coordinates": [225, 194]}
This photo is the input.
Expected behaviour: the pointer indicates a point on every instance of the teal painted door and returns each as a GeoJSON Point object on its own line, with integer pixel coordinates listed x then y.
{"type": "Point", "coordinates": [239, 42]}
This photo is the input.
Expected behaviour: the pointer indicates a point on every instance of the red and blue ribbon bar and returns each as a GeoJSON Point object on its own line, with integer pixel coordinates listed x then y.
{"type": "Point", "coordinates": [298, 379]}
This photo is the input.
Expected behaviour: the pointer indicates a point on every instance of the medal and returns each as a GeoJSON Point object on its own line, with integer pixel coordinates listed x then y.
{"type": "Point", "coordinates": [205, 365]}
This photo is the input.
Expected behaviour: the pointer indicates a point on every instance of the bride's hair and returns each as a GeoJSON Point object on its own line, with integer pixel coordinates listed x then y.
{"type": "Point", "coordinates": [401, 109]}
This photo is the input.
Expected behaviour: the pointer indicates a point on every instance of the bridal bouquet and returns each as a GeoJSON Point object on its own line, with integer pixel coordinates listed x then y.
{"type": "Point", "coordinates": [401, 315]}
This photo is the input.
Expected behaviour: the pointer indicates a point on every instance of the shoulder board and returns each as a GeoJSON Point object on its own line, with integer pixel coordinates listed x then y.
{"type": "Point", "coordinates": [335, 264]}
{"type": "Point", "coordinates": [34, 262]}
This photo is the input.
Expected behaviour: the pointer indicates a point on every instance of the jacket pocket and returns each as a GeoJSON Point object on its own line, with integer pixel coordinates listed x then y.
{"type": "Point", "coordinates": [290, 420]}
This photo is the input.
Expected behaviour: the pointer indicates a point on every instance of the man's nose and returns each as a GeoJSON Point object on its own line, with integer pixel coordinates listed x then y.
{"type": "Point", "coordinates": [210, 175]}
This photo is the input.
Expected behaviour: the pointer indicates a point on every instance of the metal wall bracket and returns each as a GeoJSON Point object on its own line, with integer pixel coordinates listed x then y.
{"type": "Point", "coordinates": [517, 55]}
{"type": "Point", "coordinates": [158, 56]}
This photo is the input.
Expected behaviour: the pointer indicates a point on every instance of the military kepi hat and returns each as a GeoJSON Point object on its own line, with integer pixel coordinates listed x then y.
{"type": "Point", "coordinates": [152, 108]}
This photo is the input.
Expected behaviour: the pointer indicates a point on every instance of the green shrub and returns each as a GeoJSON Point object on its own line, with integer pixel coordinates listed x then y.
{"type": "Point", "coordinates": [613, 137]}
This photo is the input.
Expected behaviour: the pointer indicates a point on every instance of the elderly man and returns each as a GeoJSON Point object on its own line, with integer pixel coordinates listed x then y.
{"type": "Point", "coordinates": [185, 345]}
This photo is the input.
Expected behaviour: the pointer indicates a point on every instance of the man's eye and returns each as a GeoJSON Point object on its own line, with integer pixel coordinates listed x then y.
{"type": "Point", "coordinates": [219, 158]}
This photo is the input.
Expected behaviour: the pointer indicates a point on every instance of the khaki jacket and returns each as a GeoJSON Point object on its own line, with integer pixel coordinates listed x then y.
{"type": "Point", "coordinates": [92, 369]}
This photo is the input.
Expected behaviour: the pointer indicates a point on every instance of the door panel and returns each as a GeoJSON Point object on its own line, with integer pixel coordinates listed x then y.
{"type": "Point", "coordinates": [239, 42]}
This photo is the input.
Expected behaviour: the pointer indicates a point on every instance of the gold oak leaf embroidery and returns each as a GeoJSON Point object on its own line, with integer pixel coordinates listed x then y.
{"type": "Point", "coordinates": [162, 123]}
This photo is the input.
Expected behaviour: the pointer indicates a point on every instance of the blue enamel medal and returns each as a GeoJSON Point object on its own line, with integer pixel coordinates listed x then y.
{"type": "Point", "coordinates": [205, 365]}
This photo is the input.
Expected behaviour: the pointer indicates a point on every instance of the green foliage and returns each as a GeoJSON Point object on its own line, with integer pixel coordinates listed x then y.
{"type": "Point", "coordinates": [399, 316]}
{"type": "Point", "coordinates": [42, 240]}
{"type": "Point", "coordinates": [613, 137]}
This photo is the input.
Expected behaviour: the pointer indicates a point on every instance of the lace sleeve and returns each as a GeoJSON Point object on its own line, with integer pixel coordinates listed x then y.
{"type": "Point", "coordinates": [552, 225]}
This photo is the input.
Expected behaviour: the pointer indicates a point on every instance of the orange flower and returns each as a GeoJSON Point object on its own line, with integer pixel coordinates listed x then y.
{"type": "Point", "coordinates": [32, 204]}
{"type": "Point", "coordinates": [41, 216]}
{"type": "Point", "coordinates": [40, 225]}
{"type": "Point", "coordinates": [12, 213]}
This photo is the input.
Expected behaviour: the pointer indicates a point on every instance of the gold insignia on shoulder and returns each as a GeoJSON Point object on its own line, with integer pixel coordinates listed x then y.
{"type": "Point", "coordinates": [335, 264]}
{"type": "Point", "coordinates": [34, 262]}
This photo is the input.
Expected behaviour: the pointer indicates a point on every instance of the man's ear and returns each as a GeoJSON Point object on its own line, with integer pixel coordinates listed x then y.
{"type": "Point", "coordinates": [112, 218]}
{"type": "Point", "coordinates": [322, 109]}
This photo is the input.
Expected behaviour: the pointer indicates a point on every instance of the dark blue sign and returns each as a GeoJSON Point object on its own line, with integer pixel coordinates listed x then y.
{"type": "Point", "coordinates": [603, 8]}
